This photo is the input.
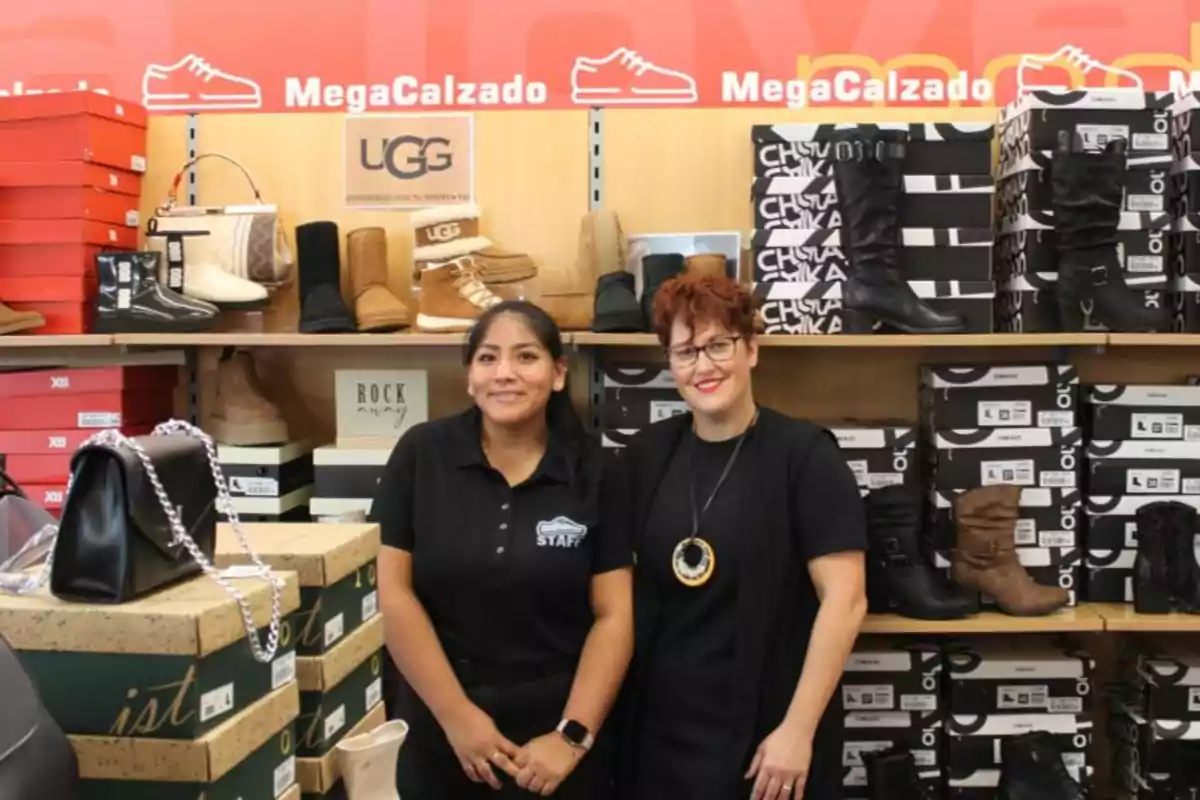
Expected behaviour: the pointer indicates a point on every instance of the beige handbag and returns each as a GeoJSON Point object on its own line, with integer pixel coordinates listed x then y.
{"type": "Point", "coordinates": [248, 241]}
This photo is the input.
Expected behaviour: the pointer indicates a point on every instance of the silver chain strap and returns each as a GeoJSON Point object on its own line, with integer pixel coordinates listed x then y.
{"type": "Point", "coordinates": [114, 438]}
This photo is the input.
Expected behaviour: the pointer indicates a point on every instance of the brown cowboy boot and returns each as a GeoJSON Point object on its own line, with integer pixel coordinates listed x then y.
{"type": "Point", "coordinates": [375, 307]}
{"type": "Point", "coordinates": [243, 417]}
{"type": "Point", "coordinates": [985, 556]}
{"type": "Point", "coordinates": [13, 321]}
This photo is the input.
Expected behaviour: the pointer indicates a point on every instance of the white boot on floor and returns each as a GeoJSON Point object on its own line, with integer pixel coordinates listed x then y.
{"type": "Point", "coordinates": [368, 762]}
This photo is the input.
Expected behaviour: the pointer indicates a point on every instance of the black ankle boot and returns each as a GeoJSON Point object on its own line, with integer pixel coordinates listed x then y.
{"type": "Point", "coordinates": [892, 775]}
{"type": "Point", "coordinates": [322, 309]}
{"type": "Point", "coordinates": [1087, 189]}
{"type": "Point", "coordinates": [913, 584]}
{"type": "Point", "coordinates": [867, 169]}
{"type": "Point", "coordinates": [129, 299]}
{"type": "Point", "coordinates": [657, 269]}
{"type": "Point", "coordinates": [1166, 576]}
{"type": "Point", "coordinates": [1032, 769]}
{"type": "Point", "coordinates": [616, 308]}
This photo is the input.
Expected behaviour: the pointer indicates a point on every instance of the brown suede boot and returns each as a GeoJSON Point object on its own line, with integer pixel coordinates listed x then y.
{"type": "Point", "coordinates": [452, 296]}
{"type": "Point", "coordinates": [601, 250]}
{"type": "Point", "coordinates": [375, 307]}
{"type": "Point", "coordinates": [713, 264]}
{"type": "Point", "coordinates": [12, 321]}
{"type": "Point", "coordinates": [985, 556]}
{"type": "Point", "coordinates": [446, 233]}
{"type": "Point", "coordinates": [243, 417]}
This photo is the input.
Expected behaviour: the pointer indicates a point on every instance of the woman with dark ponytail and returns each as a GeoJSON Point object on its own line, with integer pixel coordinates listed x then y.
{"type": "Point", "coordinates": [506, 600]}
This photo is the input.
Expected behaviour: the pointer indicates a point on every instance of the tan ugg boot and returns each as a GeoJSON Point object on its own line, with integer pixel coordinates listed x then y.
{"type": "Point", "coordinates": [243, 417]}
{"type": "Point", "coordinates": [375, 307]}
{"type": "Point", "coordinates": [445, 233]}
{"type": "Point", "coordinates": [12, 321]}
{"type": "Point", "coordinates": [368, 761]}
{"type": "Point", "coordinates": [602, 249]}
{"type": "Point", "coordinates": [713, 264]}
{"type": "Point", "coordinates": [985, 557]}
{"type": "Point", "coordinates": [452, 296]}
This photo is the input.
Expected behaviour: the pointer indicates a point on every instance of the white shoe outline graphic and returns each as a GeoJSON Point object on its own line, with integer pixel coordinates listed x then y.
{"type": "Point", "coordinates": [631, 61]}
{"type": "Point", "coordinates": [250, 96]}
{"type": "Point", "coordinates": [1030, 65]}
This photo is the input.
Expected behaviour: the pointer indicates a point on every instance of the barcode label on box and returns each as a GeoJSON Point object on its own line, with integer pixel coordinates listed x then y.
{"type": "Point", "coordinates": [216, 702]}
{"type": "Point", "coordinates": [1015, 698]}
{"type": "Point", "coordinates": [285, 775]}
{"type": "Point", "coordinates": [1152, 481]}
{"type": "Point", "coordinates": [1057, 479]}
{"type": "Point", "coordinates": [1015, 413]}
{"type": "Point", "coordinates": [334, 629]}
{"type": "Point", "coordinates": [918, 702]}
{"type": "Point", "coordinates": [1056, 539]}
{"type": "Point", "coordinates": [1150, 203]}
{"type": "Point", "coordinates": [1144, 265]}
{"type": "Point", "coordinates": [283, 670]}
{"type": "Point", "coordinates": [254, 487]}
{"type": "Point", "coordinates": [374, 693]}
{"type": "Point", "coordinates": [1156, 426]}
{"type": "Point", "coordinates": [370, 605]}
{"type": "Point", "coordinates": [1025, 534]}
{"type": "Point", "coordinates": [335, 721]}
{"type": "Point", "coordinates": [868, 698]}
{"type": "Point", "coordinates": [1066, 705]}
{"type": "Point", "coordinates": [859, 468]}
{"type": "Point", "coordinates": [1018, 473]}
{"type": "Point", "coordinates": [97, 419]}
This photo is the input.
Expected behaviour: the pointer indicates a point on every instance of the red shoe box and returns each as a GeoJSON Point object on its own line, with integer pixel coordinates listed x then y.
{"type": "Point", "coordinates": [68, 202]}
{"type": "Point", "coordinates": [86, 380]}
{"type": "Point", "coordinates": [50, 442]}
{"type": "Point", "coordinates": [73, 126]}
{"type": "Point", "coordinates": [93, 410]}
{"type": "Point", "coordinates": [26, 174]}
{"type": "Point", "coordinates": [62, 319]}
{"type": "Point", "coordinates": [67, 231]}
{"type": "Point", "coordinates": [50, 498]}
{"type": "Point", "coordinates": [48, 260]}
{"type": "Point", "coordinates": [53, 289]}
{"type": "Point", "coordinates": [34, 470]}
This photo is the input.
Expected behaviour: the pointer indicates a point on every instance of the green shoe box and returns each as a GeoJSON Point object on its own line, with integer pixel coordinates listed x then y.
{"type": "Point", "coordinates": [173, 665]}
{"type": "Point", "coordinates": [338, 689]}
{"type": "Point", "coordinates": [321, 778]}
{"type": "Point", "coordinates": [251, 755]}
{"type": "Point", "coordinates": [336, 568]}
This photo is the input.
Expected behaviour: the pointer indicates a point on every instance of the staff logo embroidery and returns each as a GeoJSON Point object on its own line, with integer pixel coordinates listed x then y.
{"type": "Point", "coordinates": [560, 532]}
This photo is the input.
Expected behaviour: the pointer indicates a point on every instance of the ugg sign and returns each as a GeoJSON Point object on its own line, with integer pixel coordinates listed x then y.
{"type": "Point", "coordinates": [378, 406]}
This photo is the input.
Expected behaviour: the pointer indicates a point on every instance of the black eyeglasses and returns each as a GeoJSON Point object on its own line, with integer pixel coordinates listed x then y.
{"type": "Point", "coordinates": [721, 349]}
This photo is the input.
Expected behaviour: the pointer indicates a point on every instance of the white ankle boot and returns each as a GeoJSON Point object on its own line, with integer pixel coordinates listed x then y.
{"type": "Point", "coordinates": [204, 281]}
{"type": "Point", "coordinates": [368, 762]}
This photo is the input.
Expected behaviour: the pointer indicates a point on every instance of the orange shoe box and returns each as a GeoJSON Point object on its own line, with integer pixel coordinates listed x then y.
{"type": "Point", "coordinates": [73, 126]}
{"type": "Point", "coordinates": [63, 441]}
{"type": "Point", "coordinates": [62, 319]}
{"type": "Point", "coordinates": [86, 410]}
{"type": "Point", "coordinates": [48, 260]}
{"type": "Point", "coordinates": [68, 202]}
{"type": "Point", "coordinates": [39, 469]}
{"type": "Point", "coordinates": [85, 380]}
{"type": "Point", "coordinates": [67, 231]}
{"type": "Point", "coordinates": [54, 288]}
{"type": "Point", "coordinates": [24, 174]}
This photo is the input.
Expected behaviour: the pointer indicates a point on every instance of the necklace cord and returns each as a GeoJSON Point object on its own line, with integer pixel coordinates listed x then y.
{"type": "Point", "coordinates": [697, 512]}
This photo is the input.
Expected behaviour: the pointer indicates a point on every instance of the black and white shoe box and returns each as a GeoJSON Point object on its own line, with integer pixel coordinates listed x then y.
{"type": "Point", "coordinates": [1150, 754]}
{"type": "Point", "coordinates": [1031, 123]}
{"type": "Point", "coordinates": [1143, 467]}
{"type": "Point", "coordinates": [1142, 412]}
{"type": "Point", "coordinates": [1049, 566]}
{"type": "Point", "coordinates": [884, 674]}
{"type": "Point", "coordinates": [928, 201]}
{"type": "Point", "coordinates": [879, 455]}
{"type": "Point", "coordinates": [817, 308]}
{"type": "Point", "coordinates": [1112, 542]}
{"type": "Point", "coordinates": [1045, 458]}
{"type": "Point", "coordinates": [1186, 304]}
{"type": "Point", "coordinates": [974, 742]}
{"type": "Point", "coordinates": [1051, 519]}
{"type": "Point", "coordinates": [1017, 675]}
{"type": "Point", "coordinates": [932, 148]}
{"type": "Point", "coordinates": [269, 484]}
{"type": "Point", "coordinates": [346, 479]}
{"type": "Point", "coordinates": [1002, 396]}
{"type": "Point", "coordinates": [1029, 246]}
{"type": "Point", "coordinates": [1025, 187]}
{"type": "Point", "coordinates": [637, 395]}
{"type": "Point", "coordinates": [1164, 672]}
{"type": "Point", "coordinates": [870, 732]}
{"type": "Point", "coordinates": [813, 255]}
{"type": "Point", "coordinates": [1028, 303]}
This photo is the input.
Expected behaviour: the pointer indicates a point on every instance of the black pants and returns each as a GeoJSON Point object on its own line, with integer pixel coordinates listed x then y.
{"type": "Point", "coordinates": [522, 710]}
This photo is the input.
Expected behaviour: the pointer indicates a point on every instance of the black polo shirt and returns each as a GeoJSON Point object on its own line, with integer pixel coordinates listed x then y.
{"type": "Point", "coordinates": [503, 572]}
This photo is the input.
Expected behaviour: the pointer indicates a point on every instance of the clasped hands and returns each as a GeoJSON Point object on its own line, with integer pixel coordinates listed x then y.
{"type": "Point", "coordinates": [539, 767]}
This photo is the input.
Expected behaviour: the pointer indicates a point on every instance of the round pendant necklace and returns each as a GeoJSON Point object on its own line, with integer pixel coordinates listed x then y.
{"type": "Point", "coordinates": [694, 559]}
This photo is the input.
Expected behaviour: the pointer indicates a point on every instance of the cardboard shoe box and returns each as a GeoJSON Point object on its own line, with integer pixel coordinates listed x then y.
{"type": "Point", "coordinates": [1048, 518]}
{"type": "Point", "coordinates": [974, 742]}
{"type": "Point", "coordinates": [1047, 458]}
{"type": "Point", "coordinates": [806, 255]}
{"type": "Point", "coordinates": [928, 201]}
{"type": "Point", "coordinates": [892, 675]}
{"type": "Point", "coordinates": [1025, 187]}
{"type": "Point", "coordinates": [637, 395]}
{"type": "Point", "coordinates": [867, 732]}
{"type": "Point", "coordinates": [1007, 396]}
{"type": "Point", "coordinates": [933, 148]}
{"type": "Point", "coordinates": [1143, 467]}
{"type": "Point", "coordinates": [879, 455]}
{"type": "Point", "coordinates": [1017, 675]}
{"type": "Point", "coordinates": [338, 689]}
{"type": "Point", "coordinates": [817, 308]}
{"type": "Point", "coordinates": [172, 665]}
{"type": "Point", "coordinates": [1136, 412]}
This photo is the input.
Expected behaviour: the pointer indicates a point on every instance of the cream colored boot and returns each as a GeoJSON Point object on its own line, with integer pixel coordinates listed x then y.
{"type": "Point", "coordinates": [368, 762]}
{"type": "Point", "coordinates": [445, 233]}
{"type": "Point", "coordinates": [452, 296]}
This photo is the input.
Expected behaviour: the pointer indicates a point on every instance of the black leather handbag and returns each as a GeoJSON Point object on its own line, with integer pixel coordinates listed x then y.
{"type": "Point", "coordinates": [36, 758]}
{"type": "Point", "coordinates": [116, 540]}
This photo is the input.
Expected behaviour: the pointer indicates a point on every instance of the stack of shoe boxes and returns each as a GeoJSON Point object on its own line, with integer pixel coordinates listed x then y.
{"type": "Point", "coordinates": [269, 484]}
{"type": "Point", "coordinates": [891, 695]}
{"type": "Point", "coordinates": [1005, 686]}
{"type": "Point", "coordinates": [45, 414]}
{"type": "Point", "coordinates": [1015, 425]}
{"type": "Point", "coordinates": [635, 395]}
{"type": "Point", "coordinates": [1184, 244]}
{"type": "Point", "coordinates": [71, 167]}
{"type": "Point", "coordinates": [162, 696]}
{"type": "Point", "coordinates": [1142, 448]}
{"type": "Point", "coordinates": [803, 234]}
{"type": "Point", "coordinates": [338, 634]}
{"type": "Point", "coordinates": [1026, 254]}
{"type": "Point", "coordinates": [1154, 725]}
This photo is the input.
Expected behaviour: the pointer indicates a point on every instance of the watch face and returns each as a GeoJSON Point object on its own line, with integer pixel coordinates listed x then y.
{"type": "Point", "coordinates": [574, 732]}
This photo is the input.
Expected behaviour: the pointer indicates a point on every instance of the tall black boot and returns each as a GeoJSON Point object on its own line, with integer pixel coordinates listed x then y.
{"type": "Point", "coordinates": [129, 299]}
{"type": "Point", "coordinates": [322, 309]}
{"type": "Point", "coordinates": [1087, 188]}
{"type": "Point", "coordinates": [657, 269]}
{"type": "Point", "coordinates": [868, 171]}
{"type": "Point", "coordinates": [1184, 570]}
{"type": "Point", "coordinates": [915, 586]}
{"type": "Point", "coordinates": [892, 775]}
{"type": "Point", "coordinates": [1032, 768]}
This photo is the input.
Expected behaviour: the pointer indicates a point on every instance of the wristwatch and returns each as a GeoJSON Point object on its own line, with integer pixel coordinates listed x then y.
{"type": "Point", "coordinates": [576, 734]}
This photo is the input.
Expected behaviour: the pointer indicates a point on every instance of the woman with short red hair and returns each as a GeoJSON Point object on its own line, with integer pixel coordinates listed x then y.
{"type": "Point", "coordinates": [750, 578]}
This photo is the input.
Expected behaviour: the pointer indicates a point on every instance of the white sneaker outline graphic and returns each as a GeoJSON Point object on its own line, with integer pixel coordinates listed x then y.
{"type": "Point", "coordinates": [250, 95]}
{"type": "Point", "coordinates": [1030, 66]}
{"type": "Point", "coordinates": [631, 61]}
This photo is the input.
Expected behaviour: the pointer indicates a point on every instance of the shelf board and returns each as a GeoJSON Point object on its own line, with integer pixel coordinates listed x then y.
{"type": "Point", "coordinates": [1080, 618]}
{"type": "Point", "coordinates": [1154, 339]}
{"type": "Point", "coordinates": [248, 339]}
{"type": "Point", "coordinates": [1121, 617]}
{"type": "Point", "coordinates": [78, 340]}
{"type": "Point", "coordinates": [872, 341]}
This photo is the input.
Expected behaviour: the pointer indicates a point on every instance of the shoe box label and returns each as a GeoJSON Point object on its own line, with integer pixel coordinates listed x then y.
{"type": "Point", "coordinates": [1049, 566]}
{"type": "Point", "coordinates": [1047, 518]}
{"type": "Point", "coordinates": [1112, 519]}
{"type": "Point", "coordinates": [1147, 130]}
{"type": "Point", "coordinates": [880, 456]}
{"type": "Point", "coordinates": [1028, 303]}
{"type": "Point", "coordinates": [812, 255]}
{"type": "Point", "coordinates": [1143, 467]}
{"type": "Point", "coordinates": [888, 675]}
{"type": "Point", "coordinates": [927, 201]}
{"type": "Point", "coordinates": [266, 472]}
{"type": "Point", "coordinates": [1025, 187]}
{"type": "Point", "coordinates": [817, 308]}
{"type": "Point", "coordinates": [974, 742]}
{"type": "Point", "coordinates": [1004, 397]}
{"type": "Point", "coordinates": [871, 731]}
{"type": "Point", "coordinates": [89, 410]}
{"type": "Point", "coordinates": [1046, 458]}
{"type": "Point", "coordinates": [933, 148]}
{"type": "Point", "coordinates": [348, 473]}
{"type": "Point", "coordinates": [1117, 412]}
